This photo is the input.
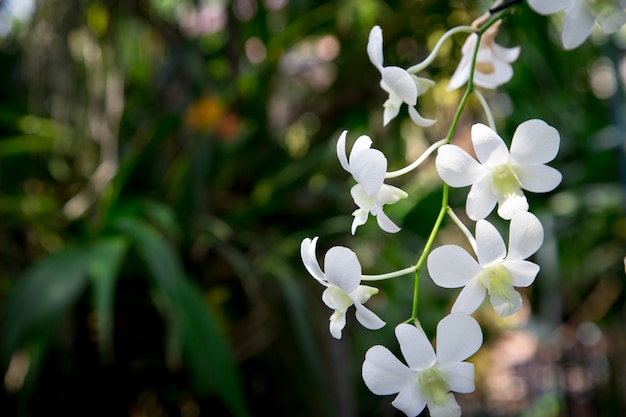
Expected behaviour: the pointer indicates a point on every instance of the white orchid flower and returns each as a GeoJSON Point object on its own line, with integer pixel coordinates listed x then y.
{"type": "Point", "coordinates": [429, 378]}
{"type": "Point", "coordinates": [581, 17]}
{"type": "Point", "coordinates": [496, 272]}
{"type": "Point", "coordinates": [402, 86]}
{"type": "Point", "coordinates": [500, 176]}
{"type": "Point", "coordinates": [368, 167]}
{"type": "Point", "coordinates": [493, 62]}
{"type": "Point", "coordinates": [342, 278]}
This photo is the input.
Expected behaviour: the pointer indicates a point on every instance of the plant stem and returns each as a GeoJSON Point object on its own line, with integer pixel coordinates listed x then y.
{"type": "Point", "coordinates": [418, 161]}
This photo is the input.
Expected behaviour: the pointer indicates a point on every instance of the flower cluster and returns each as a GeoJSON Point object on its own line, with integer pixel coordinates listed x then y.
{"type": "Point", "coordinates": [497, 174]}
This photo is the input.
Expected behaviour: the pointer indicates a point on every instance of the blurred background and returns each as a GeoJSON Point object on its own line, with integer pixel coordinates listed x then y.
{"type": "Point", "coordinates": [162, 160]}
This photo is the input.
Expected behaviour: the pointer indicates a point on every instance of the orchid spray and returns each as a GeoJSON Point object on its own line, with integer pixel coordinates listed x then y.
{"type": "Point", "coordinates": [499, 176]}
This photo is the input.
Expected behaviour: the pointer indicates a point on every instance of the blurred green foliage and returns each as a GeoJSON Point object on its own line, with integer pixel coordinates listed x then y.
{"type": "Point", "coordinates": [162, 160]}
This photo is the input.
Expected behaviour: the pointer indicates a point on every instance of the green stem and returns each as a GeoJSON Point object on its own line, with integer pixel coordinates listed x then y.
{"type": "Point", "coordinates": [418, 161]}
{"type": "Point", "coordinates": [430, 58]}
{"type": "Point", "coordinates": [388, 275]}
{"type": "Point", "coordinates": [446, 188]}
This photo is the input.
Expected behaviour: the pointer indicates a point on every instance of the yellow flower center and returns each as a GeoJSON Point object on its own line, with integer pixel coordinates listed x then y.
{"type": "Point", "coordinates": [504, 182]}
{"type": "Point", "coordinates": [485, 67]}
{"type": "Point", "coordinates": [497, 279]}
{"type": "Point", "coordinates": [434, 386]}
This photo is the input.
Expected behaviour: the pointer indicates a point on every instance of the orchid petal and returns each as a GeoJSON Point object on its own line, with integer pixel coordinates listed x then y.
{"type": "Point", "coordinates": [459, 376]}
{"type": "Point", "coordinates": [383, 220]}
{"type": "Point", "coordinates": [490, 246]}
{"type": "Point", "coordinates": [523, 272]}
{"type": "Point", "coordinates": [538, 178]}
{"type": "Point", "coordinates": [368, 168]}
{"type": "Point", "coordinates": [336, 299]}
{"type": "Point", "coordinates": [458, 337]}
{"type": "Point", "coordinates": [388, 194]}
{"type": "Point", "coordinates": [360, 218]}
{"type": "Point", "coordinates": [525, 236]}
{"type": "Point", "coordinates": [578, 24]}
{"type": "Point", "coordinates": [415, 347]}
{"type": "Point", "coordinates": [375, 47]}
{"type": "Point", "coordinates": [546, 7]}
{"type": "Point", "coordinates": [410, 399]}
{"type": "Point", "coordinates": [383, 373]}
{"type": "Point", "coordinates": [508, 304]}
{"type": "Point", "coordinates": [448, 408]}
{"type": "Point", "coordinates": [489, 146]}
{"type": "Point", "coordinates": [470, 298]}
{"type": "Point", "coordinates": [337, 323]}
{"type": "Point", "coordinates": [307, 253]}
{"type": "Point", "coordinates": [506, 54]}
{"type": "Point", "coordinates": [390, 113]}
{"type": "Point", "coordinates": [342, 268]}
{"type": "Point", "coordinates": [448, 274]}
{"type": "Point", "coordinates": [341, 151]}
{"type": "Point", "coordinates": [418, 119]}
{"type": "Point", "coordinates": [401, 83]}
{"type": "Point", "coordinates": [511, 205]}
{"type": "Point", "coordinates": [367, 318]}
{"type": "Point", "coordinates": [534, 142]}
{"type": "Point", "coordinates": [481, 200]}
{"type": "Point", "coordinates": [457, 168]}
{"type": "Point", "coordinates": [362, 143]}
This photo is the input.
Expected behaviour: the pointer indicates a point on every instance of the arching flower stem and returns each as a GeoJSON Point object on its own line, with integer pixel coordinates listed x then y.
{"type": "Point", "coordinates": [418, 161]}
{"type": "Point", "coordinates": [464, 229]}
{"type": "Point", "coordinates": [388, 275]}
{"type": "Point", "coordinates": [430, 58]}
{"type": "Point", "coordinates": [490, 121]}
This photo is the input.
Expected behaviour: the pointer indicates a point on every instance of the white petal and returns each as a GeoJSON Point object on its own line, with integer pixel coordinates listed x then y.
{"type": "Point", "coordinates": [450, 266]}
{"type": "Point", "coordinates": [418, 119]}
{"type": "Point", "coordinates": [507, 305]}
{"type": "Point", "coordinates": [450, 408]}
{"type": "Point", "coordinates": [524, 272]}
{"type": "Point", "coordinates": [460, 376]}
{"type": "Point", "coordinates": [368, 168]}
{"type": "Point", "coordinates": [410, 400]}
{"type": "Point", "coordinates": [481, 200]}
{"type": "Point", "coordinates": [342, 268]}
{"type": "Point", "coordinates": [489, 244]}
{"type": "Point", "coordinates": [361, 143]}
{"type": "Point", "coordinates": [538, 178]}
{"type": "Point", "coordinates": [578, 24]}
{"type": "Point", "coordinates": [390, 113]}
{"type": "Point", "coordinates": [470, 298]}
{"type": "Point", "coordinates": [457, 168]}
{"type": "Point", "coordinates": [307, 253]}
{"type": "Point", "coordinates": [341, 151]}
{"type": "Point", "coordinates": [501, 74]}
{"type": "Point", "coordinates": [336, 324]}
{"type": "Point", "coordinates": [458, 337]}
{"type": "Point", "coordinates": [525, 236]}
{"type": "Point", "coordinates": [383, 220]}
{"type": "Point", "coordinates": [363, 293]}
{"type": "Point", "coordinates": [490, 148]}
{"type": "Point", "coordinates": [383, 373]}
{"type": "Point", "coordinates": [461, 74]}
{"type": "Point", "coordinates": [336, 299]}
{"type": "Point", "coordinates": [401, 83]}
{"type": "Point", "coordinates": [505, 54]}
{"type": "Point", "coordinates": [415, 347]}
{"type": "Point", "coordinates": [549, 6]}
{"type": "Point", "coordinates": [367, 318]}
{"type": "Point", "coordinates": [512, 205]}
{"type": "Point", "coordinates": [360, 218]}
{"type": "Point", "coordinates": [534, 142]}
{"type": "Point", "coordinates": [375, 47]}
{"type": "Point", "coordinates": [389, 194]}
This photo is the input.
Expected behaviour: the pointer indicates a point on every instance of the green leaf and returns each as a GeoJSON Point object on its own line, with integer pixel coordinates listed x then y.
{"type": "Point", "coordinates": [106, 257]}
{"type": "Point", "coordinates": [204, 349]}
{"type": "Point", "coordinates": [42, 295]}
